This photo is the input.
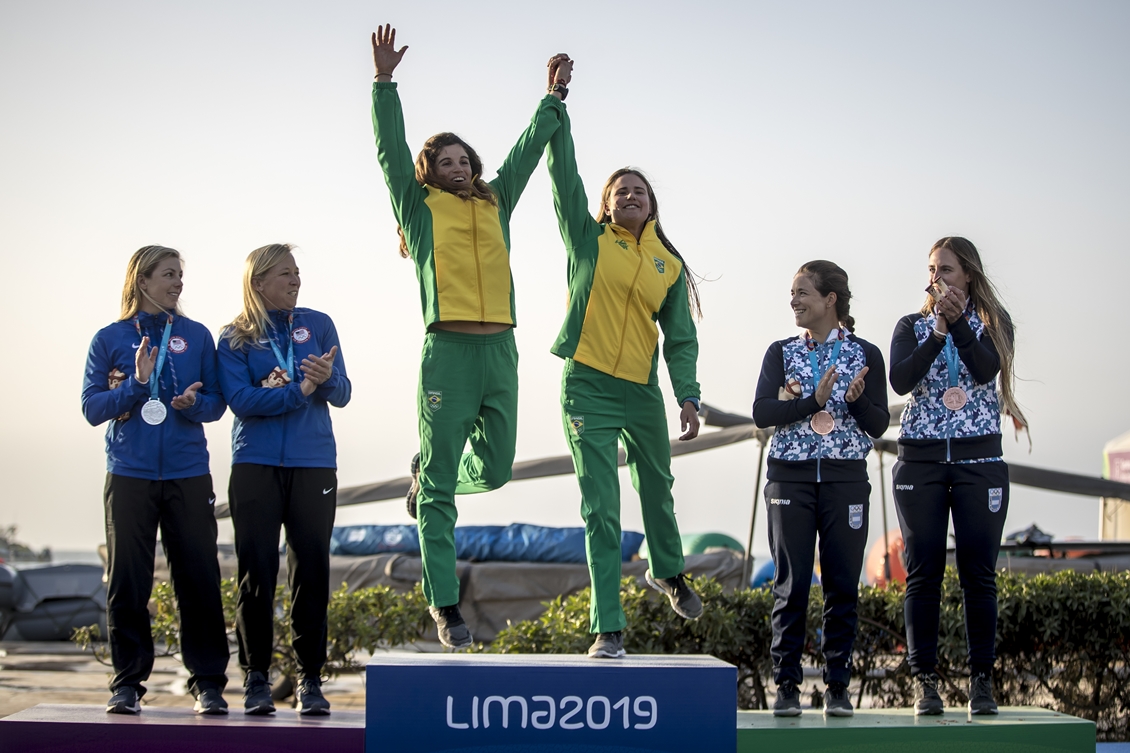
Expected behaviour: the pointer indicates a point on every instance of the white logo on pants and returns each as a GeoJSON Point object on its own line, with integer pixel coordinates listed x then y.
{"type": "Point", "coordinates": [855, 516]}
{"type": "Point", "coordinates": [996, 496]}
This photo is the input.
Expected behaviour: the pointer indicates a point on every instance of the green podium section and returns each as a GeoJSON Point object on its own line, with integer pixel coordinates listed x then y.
{"type": "Point", "coordinates": [1016, 730]}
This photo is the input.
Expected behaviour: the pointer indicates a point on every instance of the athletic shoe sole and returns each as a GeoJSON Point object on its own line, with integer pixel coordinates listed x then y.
{"type": "Point", "coordinates": [121, 708]}
{"type": "Point", "coordinates": [928, 711]}
{"type": "Point", "coordinates": [786, 712]}
{"type": "Point", "coordinates": [984, 712]}
{"type": "Point", "coordinates": [603, 654]}
{"type": "Point", "coordinates": [199, 709]}
{"type": "Point", "coordinates": [314, 712]}
{"type": "Point", "coordinates": [651, 582]}
{"type": "Point", "coordinates": [259, 710]}
{"type": "Point", "coordinates": [469, 642]}
{"type": "Point", "coordinates": [839, 712]}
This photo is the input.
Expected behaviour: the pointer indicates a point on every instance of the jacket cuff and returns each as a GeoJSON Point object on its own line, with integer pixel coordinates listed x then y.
{"type": "Point", "coordinates": [962, 333]}
{"type": "Point", "coordinates": [692, 400]}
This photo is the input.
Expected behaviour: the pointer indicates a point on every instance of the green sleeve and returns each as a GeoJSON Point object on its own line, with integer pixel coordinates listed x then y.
{"type": "Point", "coordinates": [680, 340]}
{"type": "Point", "coordinates": [519, 165]}
{"type": "Point", "coordinates": [393, 154]}
{"type": "Point", "coordinates": [576, 224]}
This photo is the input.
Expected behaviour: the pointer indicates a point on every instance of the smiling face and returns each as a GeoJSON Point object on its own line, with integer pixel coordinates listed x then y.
{"type": "Point", "coordinates": [945, 264]}
{"type": "Point", "coordinates": [162, 289]}
{"type": "Point", "coordinates": [279, 285]}
{"type": "Point", "coordinates": [627, 201]}
{"type": "Point", "coordinates": [453, 166]}
{"type": "Point", "coordinates": [810, 309]}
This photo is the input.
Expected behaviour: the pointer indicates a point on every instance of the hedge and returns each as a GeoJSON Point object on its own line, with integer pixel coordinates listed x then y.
{"type": "Point", "coordinates": [1063, 640]}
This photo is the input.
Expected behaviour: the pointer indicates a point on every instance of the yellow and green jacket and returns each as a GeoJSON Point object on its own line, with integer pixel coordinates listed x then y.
{"type": "Point", "coordinates": [461, 246]}
{"type": "Point", "coordinates": [619, 288]}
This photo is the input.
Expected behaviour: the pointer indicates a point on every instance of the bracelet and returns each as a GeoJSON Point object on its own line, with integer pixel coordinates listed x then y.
{"type": "Point", "coordinates": [378, 76]}
{"type": "Point", "coordinates": [939, 335]}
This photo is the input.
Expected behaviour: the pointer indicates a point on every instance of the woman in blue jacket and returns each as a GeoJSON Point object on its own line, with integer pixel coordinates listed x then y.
{"type": "Point", "coordinates": [825, 392]}
{"type": "Point", "coordinates": [948, 356]}
{"type": "Point", "coordinates": [281, 371]}
{"type": "Point", "coordinates": [152, 376]}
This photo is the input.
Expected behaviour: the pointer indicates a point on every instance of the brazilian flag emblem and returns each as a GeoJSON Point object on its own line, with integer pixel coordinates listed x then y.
{"type": "Point", "coordinates": [578, 424]}
{"type": "Point", "coordinates": [659, 265]}
{"type": "Point", "coordinates": [435, 400]}
{"type": "Point", "coordinates": [622, 244]}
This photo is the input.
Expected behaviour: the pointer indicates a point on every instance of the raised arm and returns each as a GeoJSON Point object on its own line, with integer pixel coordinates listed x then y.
{"type": "Point", "coordinates": [910, 362]}
{"type": "Point", "coordinates": [573, 218]}
{"type": "Point", "coordinates": [388, 127]}
{"type": "Point", "coordinates": [519, 165]}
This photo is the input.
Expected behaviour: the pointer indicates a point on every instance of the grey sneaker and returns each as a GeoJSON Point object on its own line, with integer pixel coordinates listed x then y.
{"type": "Point", "coordinates": [788, 699]}
{"type": "Point", "coordinates": [453, 631]}
{"type": "Point", "coordinates": [607, 646]}
{"type": "Point", "coordinates": [125, 700]}
{"type": "Point", "coordinates": [684, 600]}
{"type": "Point", "coordinates": [927, 701]}
{"type": "Point", "coordinates": [413, 490]}
{"type": "Point", "coordinates": [210, 702]}
{"type": "Point", "coordinates": [837, 702]}
{"type": "Point", "coordinates": [257, 695]}
{"type": "Point", "coordinates": [311, 702]}
{"type": "Point", "coordinates": [981, 695]}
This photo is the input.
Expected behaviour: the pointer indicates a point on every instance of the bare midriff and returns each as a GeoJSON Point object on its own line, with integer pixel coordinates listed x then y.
{"type": "Point", "coordinates": [472, 328]}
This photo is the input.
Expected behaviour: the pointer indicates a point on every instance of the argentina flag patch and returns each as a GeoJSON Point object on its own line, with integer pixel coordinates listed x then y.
{"type": "Point", "coordinates": [996, 497]}
{"type": "Point", "coordinates": [855, 516]}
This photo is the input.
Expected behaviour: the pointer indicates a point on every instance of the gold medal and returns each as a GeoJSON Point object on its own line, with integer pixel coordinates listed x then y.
{"type": "Point", "coordinates": [955, 398]}
{"type": "Point", "coordinates": [822, 423]}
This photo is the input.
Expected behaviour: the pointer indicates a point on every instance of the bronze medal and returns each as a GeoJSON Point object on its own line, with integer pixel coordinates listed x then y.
{"type": "Point", "coordinates": [955, 398]}
{"type": "Point", "coordinates": [822, 423]}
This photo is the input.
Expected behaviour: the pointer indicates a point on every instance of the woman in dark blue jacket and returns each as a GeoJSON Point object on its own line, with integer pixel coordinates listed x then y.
{"type": "Point", "coordinates": [281, 371]}
{"type": "Point", "coordinates": [825, 392]}
{"type": "Point", "coordinates": [152, 375]}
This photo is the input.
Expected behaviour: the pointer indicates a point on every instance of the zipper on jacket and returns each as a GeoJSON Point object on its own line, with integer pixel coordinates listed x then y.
{"type": "Point", "coordinates": [627, 306]}
{"type": "Point", "coordinates": [478, 264]}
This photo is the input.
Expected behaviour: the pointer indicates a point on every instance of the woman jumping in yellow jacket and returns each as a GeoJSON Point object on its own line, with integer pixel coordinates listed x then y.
{"type": "Point", "coordinates": [624, 277]}
{"type": "Point", "coordinates": [455, 227]}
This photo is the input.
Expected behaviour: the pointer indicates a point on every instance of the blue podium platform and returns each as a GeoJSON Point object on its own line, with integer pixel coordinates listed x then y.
{"type": "Point", "coordinates": [494, 703]}
{"type": "Point", "coordinates": [59, 728]}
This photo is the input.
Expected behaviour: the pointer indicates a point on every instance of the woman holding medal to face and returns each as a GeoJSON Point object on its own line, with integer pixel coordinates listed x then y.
{"type": "Point", "coordinates": [281, 371]}
{"type": "Point", "coordinates": [152, 376]}
{"type": "Point", "coordinates": [947, 356]}
{"type": "Point", "coordinates": [825, 392]}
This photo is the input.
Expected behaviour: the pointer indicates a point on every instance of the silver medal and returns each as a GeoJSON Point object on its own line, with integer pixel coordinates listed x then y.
{"type": "Point", "coordinates": [154, 412]}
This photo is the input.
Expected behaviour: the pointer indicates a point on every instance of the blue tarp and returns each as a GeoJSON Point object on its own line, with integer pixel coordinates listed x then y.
{"type": "Point", "coordinates": [518, 542]}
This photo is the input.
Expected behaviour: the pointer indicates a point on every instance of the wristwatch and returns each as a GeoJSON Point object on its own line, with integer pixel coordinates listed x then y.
{"type": "Point", "coordinates": [560, 88]}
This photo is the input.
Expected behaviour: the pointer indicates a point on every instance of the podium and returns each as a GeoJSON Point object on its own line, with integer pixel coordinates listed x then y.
{"type": "Point", "coordinates": [529, 702]}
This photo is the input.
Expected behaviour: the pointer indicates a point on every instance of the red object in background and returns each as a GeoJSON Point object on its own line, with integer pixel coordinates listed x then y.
{"type": "Point", "coordinates": [874, 572]}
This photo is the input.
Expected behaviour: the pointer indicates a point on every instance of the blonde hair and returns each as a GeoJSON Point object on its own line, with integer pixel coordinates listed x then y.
{"type": "Point", "coordinates": [252, 323]}
{"type": "Point", "coordinates": [998, 322]}
{"type": "Point", "coordinates": [143, 263]}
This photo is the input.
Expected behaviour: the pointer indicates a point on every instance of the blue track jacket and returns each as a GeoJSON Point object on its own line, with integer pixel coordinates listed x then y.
{"type": "Point", "coordinates": [279, 425]}
{"type": "Point", "coordinates": [173, 449]}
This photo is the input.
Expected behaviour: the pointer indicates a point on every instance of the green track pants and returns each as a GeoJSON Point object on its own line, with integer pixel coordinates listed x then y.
{"type": "Point", "coordinates": [468, 391]}
{"type": "Point", "coordinates": [597, 410]}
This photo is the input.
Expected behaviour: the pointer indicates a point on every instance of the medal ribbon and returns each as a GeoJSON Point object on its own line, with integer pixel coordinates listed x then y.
{"type": "Point", "coordinates": [288, 364]}
{"type": "Point", "coordinates": [155, 377]}
{"type": "Point", "coordinates": [813, 359]}
{"type": "Point", "coordinates": [951, 360]}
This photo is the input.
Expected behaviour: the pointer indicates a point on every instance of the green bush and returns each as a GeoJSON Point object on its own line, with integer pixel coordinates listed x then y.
{"type": "Point", "coordinates": [1063, 641]}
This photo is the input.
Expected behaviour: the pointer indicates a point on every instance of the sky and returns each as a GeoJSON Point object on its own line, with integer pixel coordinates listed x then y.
{"type": "Point", "coordinates": [774, 133]}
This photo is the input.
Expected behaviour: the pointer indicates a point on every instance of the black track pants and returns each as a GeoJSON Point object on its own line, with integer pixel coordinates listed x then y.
{"type": "Point", "coordinates": [977, 496]}
{"type": "Point", "coordinates": [263, 499]}
{"type": "Point", "coordinates": [838, 512]}
{"type": "Point", "coordinates": [183, 510]}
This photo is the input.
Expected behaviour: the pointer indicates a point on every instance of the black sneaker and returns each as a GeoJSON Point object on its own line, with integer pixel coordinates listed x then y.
{"type": "Point", "coordinates": [257, 695]}
{"type": "Point", "coordinates": [837, 702]}
{"type": "Point", "coordinates": [981, 695]}
{"type": "Point", "coordinates": [311, 702]}
{"type": "Point", "coordinates": [413, 490]}
{"type": "Point", "coordinates": [210, 702]}
{"type": "Point", "coordinates": [683, 599]}
{"type": "Point", "coordinates": [607, 646]}
{"type": "Point", "coordinates": [453, 631]}
{"type": "Point", "coordinates": [927, 701]}
{"type": "Point", "coordinates": [788, 699]}
{"type": "Point", "coordinates": [124, 701]}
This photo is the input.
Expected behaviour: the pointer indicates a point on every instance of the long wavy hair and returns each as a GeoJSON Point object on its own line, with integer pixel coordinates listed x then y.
{"type": "Point", "coordinates": [143, 263]}
{"type": "Point", "coordinates": [829, 277]}
{"type": "Point", "coordinates": [604, 216]}
{"type": "Point", "coordinates": [427, 175]}
{"type": "Point", "coordinates": [252, 323]}
{"type": "Point", "coordinates": [998, 322]}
